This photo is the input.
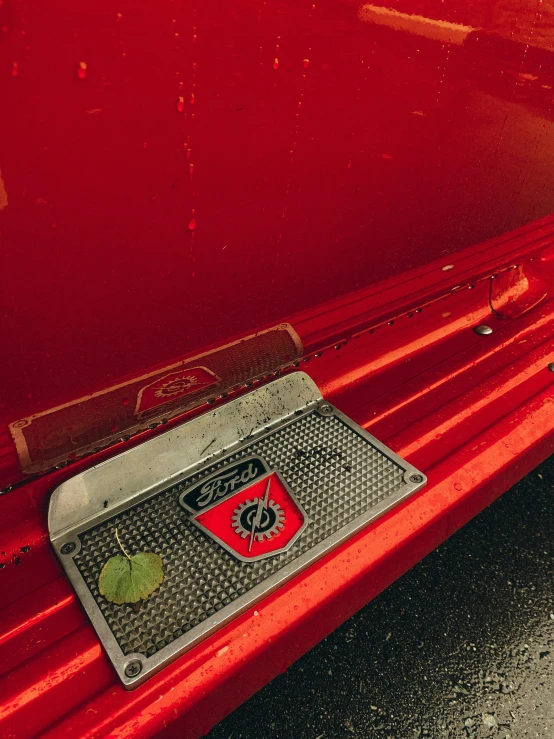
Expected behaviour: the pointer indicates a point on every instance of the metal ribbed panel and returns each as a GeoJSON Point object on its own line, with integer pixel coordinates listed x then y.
{"type": "Point", "coordinates": [336, 475]}
{"type": "Point", "coordinates": [329, 478]}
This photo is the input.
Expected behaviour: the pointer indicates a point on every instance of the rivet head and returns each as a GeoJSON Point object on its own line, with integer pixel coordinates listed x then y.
{"type": "Point", "coordinates": [551, 366]}
{"type": "Point", "coordinates": [326, 409]}
{"type": "Point", "coordinates": [483, 330]}
{"type": "Point", "coordinates": [68, 547]}
{"type": "Point", "coordinates": [133, 668]}
{"type": "Point", "coordinates": [416, 478]}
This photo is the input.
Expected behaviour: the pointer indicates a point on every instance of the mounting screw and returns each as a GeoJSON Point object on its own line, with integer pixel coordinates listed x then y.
{"type": "Point", "coordinates": [133, 668]}
{"type": "Point", "coordinates": [551, 366]}
{"type": "Point", "coordinates": [483, 330]}
{"type": "Point", "coordinates": [326, 409]}
{"type": "Point", "coordinates": [68, 547]}
{"type": "Point", "coordinates": [416, 478]}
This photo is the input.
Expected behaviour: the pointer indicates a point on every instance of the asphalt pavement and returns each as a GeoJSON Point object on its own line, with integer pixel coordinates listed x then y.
{"type": "Point", "coordinates": [462, 646]}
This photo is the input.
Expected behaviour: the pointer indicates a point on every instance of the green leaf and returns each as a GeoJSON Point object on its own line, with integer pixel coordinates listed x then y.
{"type": "Point", "coordinates": [130, 579]}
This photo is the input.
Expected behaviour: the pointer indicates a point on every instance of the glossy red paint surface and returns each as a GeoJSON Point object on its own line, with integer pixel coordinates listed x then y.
{"type": "Point", "coordinates": [315, 150]}
{"type": "Point", "coordinates": [176, 178]}
{"type": "Point", "coordinates": [444, 416]}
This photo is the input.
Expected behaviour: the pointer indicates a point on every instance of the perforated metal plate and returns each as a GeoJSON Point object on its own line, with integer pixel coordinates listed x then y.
{"type": "Point", "coordinates": [341, 476]}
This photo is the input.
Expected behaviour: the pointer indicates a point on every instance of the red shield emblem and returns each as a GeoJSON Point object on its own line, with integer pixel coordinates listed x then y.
{"type": "Point", "coordinates": [248, 510]}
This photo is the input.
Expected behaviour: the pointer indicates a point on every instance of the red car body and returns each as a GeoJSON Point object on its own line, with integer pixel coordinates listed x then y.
{"type": "Point", "coordinates": [246, 188]}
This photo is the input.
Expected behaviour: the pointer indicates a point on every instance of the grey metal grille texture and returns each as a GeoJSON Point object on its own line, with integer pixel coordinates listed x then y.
{"type": "Point", "coordinates": [336, 475]}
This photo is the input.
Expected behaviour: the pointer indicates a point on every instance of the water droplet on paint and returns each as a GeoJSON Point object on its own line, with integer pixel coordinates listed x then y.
{"type": "Point", "coordinates": [15, 69]}
{"type": "Point", "coordinates": [119, 16]}
{"type": "Point", "coordinates": [82, 70]}
{"type": "Point", "coordinates": [180, 104]}
{"type": "Point", "coordinates": [192, 223]}
{"type": "Point", "coordinates": [305, 63]}
{"type": "Point", "coordinates": [275, 63]}
{"type": "Point", "coordinates": [192, 98]}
